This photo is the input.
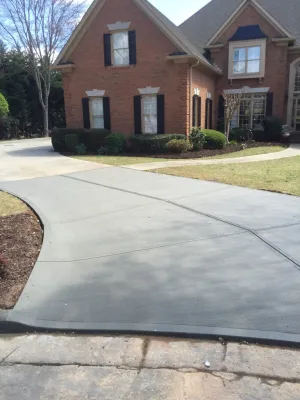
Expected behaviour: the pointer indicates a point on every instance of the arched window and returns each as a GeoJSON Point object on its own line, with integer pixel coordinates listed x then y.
{"type": "Point", "coordinates": [297, 78]}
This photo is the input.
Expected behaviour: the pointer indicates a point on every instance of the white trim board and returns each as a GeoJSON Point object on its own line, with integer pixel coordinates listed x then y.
{"type": "Point", "coordinates": [248, 90]}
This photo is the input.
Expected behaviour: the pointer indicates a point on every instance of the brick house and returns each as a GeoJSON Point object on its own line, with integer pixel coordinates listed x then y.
{"type": "Point", "coordinates": [129, 69]}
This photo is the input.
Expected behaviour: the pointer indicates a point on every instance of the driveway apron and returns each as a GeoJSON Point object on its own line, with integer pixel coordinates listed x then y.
{"type": "Point", "coordinates": [132, 251]}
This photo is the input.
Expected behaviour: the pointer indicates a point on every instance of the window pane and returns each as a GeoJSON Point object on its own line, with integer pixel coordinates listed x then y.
{"type": "Point", "coordinates": [98, 122]}
{"type": "Point", "coordinates": [150, 105]}
{"type": "Point", "coordinates": [259, 106]}
{"type": "Point", "coordinates": [120, 40]}
{"type": "Point", "coordinates": [239, 55]}
{"type": "Point", "coordinates": [150, 122]}
{"type": "Point", "coordinates": [121, 57]}
{"type": "Point", "coordinates": [253, 66]}
{"type": "Point", "coordinates": [254, 53]}
{"type": "Point", "coordinates": [245, 114]}
{"type": "Point", "coordinates": [97, 107]}
{"type": "Point", "coordinates": [239, 67]}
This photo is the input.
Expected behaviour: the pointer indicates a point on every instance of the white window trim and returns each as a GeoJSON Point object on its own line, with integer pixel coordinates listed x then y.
{"type": "Point", "coordinates": [119, 26]}
{"type": "Point", "coordinates": [143, 119]}
{"type": "Point", "coordinates": [95, 93]}
{"type": "Point", "coordinates": [149, 90]}
{"type": "Point", "coordinates": [291, 91]}
{"type": "Point", "coordinates": [248, 90]}
{"type": "Point", "coordinates": [245, 44]}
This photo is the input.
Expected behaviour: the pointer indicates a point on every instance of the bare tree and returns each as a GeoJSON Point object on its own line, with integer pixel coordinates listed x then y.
{"type": "Point", "coordinates": [232, 102]}
{"type": "Point", "coordinates": [39, 28]}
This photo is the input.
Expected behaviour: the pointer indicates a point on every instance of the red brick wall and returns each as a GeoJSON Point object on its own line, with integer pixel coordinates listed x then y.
{"type": "Point", "coordinates": [121, 83]}
{"type": "Point", "coordinates": [276, 62]}
{"type": "Point", "coordinates": [206, 83]}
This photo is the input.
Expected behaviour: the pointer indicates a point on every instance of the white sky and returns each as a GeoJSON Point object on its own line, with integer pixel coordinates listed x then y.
{"type": "Point", "coordinates": [176, 10]}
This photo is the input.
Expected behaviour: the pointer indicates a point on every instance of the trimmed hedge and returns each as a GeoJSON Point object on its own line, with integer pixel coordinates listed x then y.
{"type": "Point", "coordinates": [214, 139]}
{"type": "Point", "coordinates": [153, 144]}
{"type": "Point", "coordinates": [114, 143]}
{"type": "Point", "coordinates": [72, 141]}
{"type": "Point", "coordinates": [93, 139]}
{"type": "Point", "coordinates": [178, 146]}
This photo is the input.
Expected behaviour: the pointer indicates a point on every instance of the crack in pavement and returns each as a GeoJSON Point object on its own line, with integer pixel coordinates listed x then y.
{"type": "Point", "coordinates": [186, 370]}
{"type": "Point", "coordinates": [296, 263]}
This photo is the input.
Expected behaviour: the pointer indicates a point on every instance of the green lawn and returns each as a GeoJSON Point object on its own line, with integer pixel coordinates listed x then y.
{"type": "Point", "coordinates": [10, 205]}
{"type": "Point", "coordinates": [277, 175]}
{"type": "Point", "coordinates": [119, 160]}
{"type": "Point", "coordinates": [250, 152]}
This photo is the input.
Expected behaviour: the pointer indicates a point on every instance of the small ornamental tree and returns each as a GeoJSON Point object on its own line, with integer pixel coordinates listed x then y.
{"type": "Point", "coordinates": [4, 109]}
{"type": "Point", "coordinates": [232, 102]}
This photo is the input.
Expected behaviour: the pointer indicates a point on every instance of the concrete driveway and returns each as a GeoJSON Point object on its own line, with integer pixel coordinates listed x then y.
{"type": "Point", "coordinates": [24, 159]}
{"type": "Point", "coordinates": [132, 251]}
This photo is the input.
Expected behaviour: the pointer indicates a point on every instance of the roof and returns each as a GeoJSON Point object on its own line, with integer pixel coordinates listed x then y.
{"type": "Point", "coordinates": [190, 47]}
{"type": "Point", "coordinates": [248, 32]}
{"type": "Point", "coordinates": [174, 33]}
{"type": "Point", "coordinates": [202, 26]}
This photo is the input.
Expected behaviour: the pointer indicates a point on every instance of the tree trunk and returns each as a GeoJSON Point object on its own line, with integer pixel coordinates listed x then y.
{"type": "Point", "coordinates": [46, 118]}
{"type": "Point", "coordinates": [227, 129]}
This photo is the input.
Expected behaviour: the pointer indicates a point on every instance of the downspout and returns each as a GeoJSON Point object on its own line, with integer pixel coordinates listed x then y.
{"type": "Point", "coordinates": [191, 94]}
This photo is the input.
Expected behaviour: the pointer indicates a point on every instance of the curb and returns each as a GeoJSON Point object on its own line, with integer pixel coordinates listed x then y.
{"type": "Point", "coordinates": [13, 322]}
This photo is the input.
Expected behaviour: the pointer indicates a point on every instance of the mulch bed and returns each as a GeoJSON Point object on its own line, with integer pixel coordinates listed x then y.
{"type": "Point", "coordinates": [21, 238]}
{"type": "Point", "coordinates": [210, 153]}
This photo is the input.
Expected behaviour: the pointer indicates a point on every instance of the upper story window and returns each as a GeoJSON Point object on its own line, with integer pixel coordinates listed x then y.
{"type": "Point", "coordinates": [120, 48]}
{"type": "Point", "coordinates": [247, 59]}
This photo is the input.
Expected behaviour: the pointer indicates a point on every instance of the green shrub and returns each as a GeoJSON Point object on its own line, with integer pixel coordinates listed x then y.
{"type": "Point", "coordinates": [178, 146]}
{"type": "Point", "coordinates": [72, 141]}
{"type": "Point", "coordinates": [272, 128]}
{"type": "Point", "coordinates": [197, 138]}
{"type": "Point", "coordinates": [152, 144]}
{"type": "Point", "coordinates": [4, 109]}
{"type": "Point", "coordinates": [81, 149]}
{"type": "Point", "coordinates": [233, 142]}
{"type": "Point", "coordinates": [93, 138]}
{"type": "Point", "coordinates": [240, 134]}
{"type": "Point", "coordinates": [115, 143]}
{"type": "Point", "coordinates": [214, 139]}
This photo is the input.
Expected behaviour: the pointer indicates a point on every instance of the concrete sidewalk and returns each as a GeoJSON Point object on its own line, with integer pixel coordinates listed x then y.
{"type": "Point", "coordinates": [292, 151]}
{"type": "Point", "coordinates": [34, 367]}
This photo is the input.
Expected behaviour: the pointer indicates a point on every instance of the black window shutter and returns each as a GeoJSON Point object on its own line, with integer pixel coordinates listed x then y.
{"type": "Point", "coordinates": [137, 114]}
{"type": "Point", "coordinates": [194, 110]}
{"type": "Point", "coordinates": [107, 49]}
{"type": "Point", "coordinates": [86, 112]}
{"type": "Point", "coordinates": [221, 107]}
{"type": "Point", "coordinates": [269, 108]}
{"type": "Point", "coordinates": [199, 111]}
{"type": "Point", "coordinates": [106, 111]}
{"type": "Point", "coordinates": [206, 113]}
{"type": "Point", "coordinates": [160, 113]}
{"type": "Point", "coordinates": [132, 47]}
{"type": "Point", "coordinates": [210, 114]}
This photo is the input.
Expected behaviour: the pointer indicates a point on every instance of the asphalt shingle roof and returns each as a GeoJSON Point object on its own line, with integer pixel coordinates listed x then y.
{"type": "Point", "coordinates": [200, 27]}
